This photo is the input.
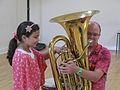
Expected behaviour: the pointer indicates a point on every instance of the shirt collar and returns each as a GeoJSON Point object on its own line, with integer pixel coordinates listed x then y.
{"type": "Point", "coordinates": [25, 52]}
{"type": "Point", "coordinates": [97, 48]}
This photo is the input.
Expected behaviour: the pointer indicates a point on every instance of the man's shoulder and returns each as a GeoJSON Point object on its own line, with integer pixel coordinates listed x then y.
{"type": "Point", "coordinates": [105, 51]}
{"type": "Point", "coordinates": [104, 48]}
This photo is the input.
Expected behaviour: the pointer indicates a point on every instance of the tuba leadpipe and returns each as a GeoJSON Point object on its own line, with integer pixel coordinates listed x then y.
{"type": "Point", "coordinates": [75, 25]}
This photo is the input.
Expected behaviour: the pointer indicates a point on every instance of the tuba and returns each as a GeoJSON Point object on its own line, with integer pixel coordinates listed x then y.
{"type": "Point", "coordinates": [76, 48]}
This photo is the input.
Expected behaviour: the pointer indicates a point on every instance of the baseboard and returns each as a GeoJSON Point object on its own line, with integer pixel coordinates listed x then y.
{"type": "Point", "coordinates": [3, 50]}
{"type": "Point", "coordinates": [111, 48]}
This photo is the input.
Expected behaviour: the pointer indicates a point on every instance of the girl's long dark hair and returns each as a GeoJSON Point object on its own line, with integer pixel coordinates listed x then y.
{"type": "Point", "coordinates": [21, 30]}
{"type": "Point", "coordinates": [11, 50]}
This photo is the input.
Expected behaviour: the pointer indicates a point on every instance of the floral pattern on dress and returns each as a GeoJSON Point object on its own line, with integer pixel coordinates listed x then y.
{"type": "Point", "coordinates": [28, 73]}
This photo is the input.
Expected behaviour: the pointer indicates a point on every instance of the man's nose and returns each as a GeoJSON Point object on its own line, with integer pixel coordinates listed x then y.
{"type": "Point", "coordinates": [90, 36]}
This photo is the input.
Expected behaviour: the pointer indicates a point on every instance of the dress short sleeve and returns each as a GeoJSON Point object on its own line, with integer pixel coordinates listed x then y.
{"type": "Point", "coordinates": [42, 65]}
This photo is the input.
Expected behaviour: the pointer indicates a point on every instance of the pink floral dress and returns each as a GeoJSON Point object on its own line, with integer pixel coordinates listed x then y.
{"type": "Point", "coordinates": [28, 70]}
{"type": "Point", "coordinates": [99, 59]}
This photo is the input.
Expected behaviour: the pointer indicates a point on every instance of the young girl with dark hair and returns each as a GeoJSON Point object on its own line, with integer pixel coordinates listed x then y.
{"type": "Point", "coordinates": [28, 65]}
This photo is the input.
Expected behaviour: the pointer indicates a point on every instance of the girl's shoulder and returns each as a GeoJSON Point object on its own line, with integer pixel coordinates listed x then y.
{"type": "Point", "coordinates": [19, 53]}
{"type": "Point", "coordinates": [19, 57]}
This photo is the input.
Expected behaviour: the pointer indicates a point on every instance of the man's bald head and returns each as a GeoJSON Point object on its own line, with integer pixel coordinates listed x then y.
{"type": "Point", "coordinates": [93, 25]}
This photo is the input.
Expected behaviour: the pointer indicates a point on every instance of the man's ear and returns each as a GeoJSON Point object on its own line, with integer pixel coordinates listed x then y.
{"type": "Point", "coordinates": [24, 38]}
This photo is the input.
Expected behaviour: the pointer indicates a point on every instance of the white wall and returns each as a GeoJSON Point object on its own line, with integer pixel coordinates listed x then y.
{"type": "Point", "coordinates": [12, 12]}
{"type": "Point", "coordinates": [108, 17]}
{"type": "Point", "coordinates": [8, 20]}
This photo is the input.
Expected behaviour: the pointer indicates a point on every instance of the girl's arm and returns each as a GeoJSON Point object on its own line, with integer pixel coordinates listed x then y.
{"type": "Point", "coordinates": [45, 53]}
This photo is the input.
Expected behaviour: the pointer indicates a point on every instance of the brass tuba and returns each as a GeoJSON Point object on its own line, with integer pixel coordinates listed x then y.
{"type": "Point", "coordinates": [75, 24]}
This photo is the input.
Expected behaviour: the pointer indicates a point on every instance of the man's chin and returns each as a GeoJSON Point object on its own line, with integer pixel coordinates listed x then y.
{"type": "Point", "coordinates": [91, 45]}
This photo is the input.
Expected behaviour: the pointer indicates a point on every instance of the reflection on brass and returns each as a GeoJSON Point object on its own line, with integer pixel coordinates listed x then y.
{"type": "Point", "coordinates": [75, 25]}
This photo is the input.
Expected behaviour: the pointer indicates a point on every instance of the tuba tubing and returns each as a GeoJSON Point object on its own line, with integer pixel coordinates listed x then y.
{"type": "Point", "coordinates": [75, 25]}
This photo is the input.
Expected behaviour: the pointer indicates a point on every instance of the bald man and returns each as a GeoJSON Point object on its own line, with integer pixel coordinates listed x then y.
{"type": "Point", "coordinates": [99, 60]}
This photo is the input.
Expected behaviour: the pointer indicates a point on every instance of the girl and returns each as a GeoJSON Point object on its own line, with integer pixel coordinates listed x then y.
{"type": "Point", "coordinates": [28, 65]}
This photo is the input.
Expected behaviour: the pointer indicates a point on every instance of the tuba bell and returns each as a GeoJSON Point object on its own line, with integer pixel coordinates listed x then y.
{"type": "Point", "coordinates": [75, 25]}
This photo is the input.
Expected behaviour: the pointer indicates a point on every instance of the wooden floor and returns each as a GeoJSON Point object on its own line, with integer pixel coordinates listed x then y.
{"type": "Point", "coordinates": [113, 79]}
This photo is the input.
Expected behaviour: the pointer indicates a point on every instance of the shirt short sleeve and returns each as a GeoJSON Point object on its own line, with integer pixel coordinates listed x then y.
{"type": "Point", "coordinates": [104, 60]}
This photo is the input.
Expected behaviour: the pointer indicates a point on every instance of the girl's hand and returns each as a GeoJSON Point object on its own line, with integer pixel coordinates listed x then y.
{"type": "Point", "coordinates": [57, 50]}
{"type": "Point", "coordinates": [60, 49]}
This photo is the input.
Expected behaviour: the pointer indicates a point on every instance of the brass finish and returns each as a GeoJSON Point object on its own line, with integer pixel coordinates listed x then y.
{"type": "Point", "coordinates": [75, 24]}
